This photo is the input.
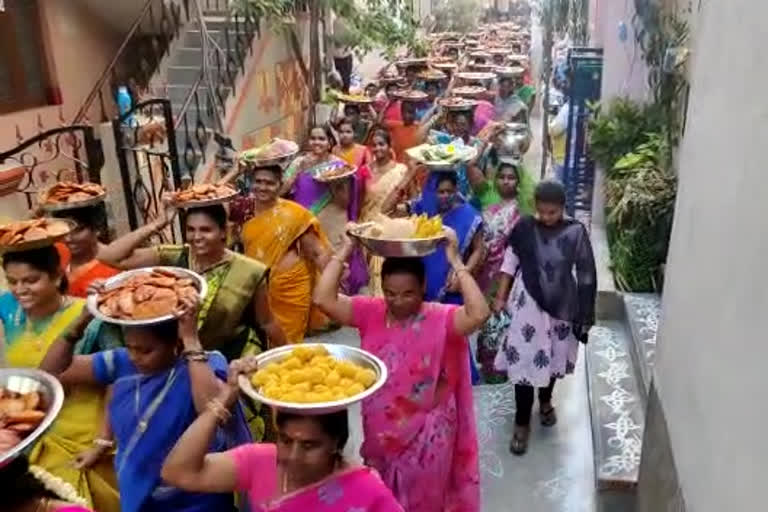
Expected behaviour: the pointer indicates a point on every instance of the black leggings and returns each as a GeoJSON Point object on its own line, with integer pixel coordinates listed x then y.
{"type": "Point", "coordinates": [524, 401]}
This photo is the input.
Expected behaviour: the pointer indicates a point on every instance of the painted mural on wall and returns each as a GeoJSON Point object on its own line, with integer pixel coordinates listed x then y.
{"type": "Point", "coordinates": [283, 94]}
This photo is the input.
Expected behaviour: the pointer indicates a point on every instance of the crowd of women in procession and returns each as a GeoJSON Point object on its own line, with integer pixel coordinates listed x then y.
{"type": "Point", "coordinates": [515, 272]}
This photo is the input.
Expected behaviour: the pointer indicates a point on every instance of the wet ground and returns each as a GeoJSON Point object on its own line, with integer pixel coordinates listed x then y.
{"type": "Point", "coordinates": [556, 475]}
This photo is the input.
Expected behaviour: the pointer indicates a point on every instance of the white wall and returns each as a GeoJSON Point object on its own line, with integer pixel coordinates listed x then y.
{"type": "Point", "coordinates": [624, 71]}
{"type": "Point", "coordinates": [713, 340]}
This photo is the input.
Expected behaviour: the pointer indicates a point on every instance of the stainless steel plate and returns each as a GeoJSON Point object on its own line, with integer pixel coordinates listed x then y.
{"type": "Point", "coordinates": [92, 302]}
{"type": "Point", "coordinates": [26, 380]}
{"type": "Point", "coordinates": [340, 352]}
{"type": "Point", "coordinates": [58, 207]}
{"type": "Point", "coordinates": [186, 205]}
{"type": "Point", "coordinates": [397, 248]}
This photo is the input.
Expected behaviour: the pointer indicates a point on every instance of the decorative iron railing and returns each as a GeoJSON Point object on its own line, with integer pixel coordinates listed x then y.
{"type": "Point", "coordinates": [138, 57]}
{"type": "Point", "coordinates": [66, 153]}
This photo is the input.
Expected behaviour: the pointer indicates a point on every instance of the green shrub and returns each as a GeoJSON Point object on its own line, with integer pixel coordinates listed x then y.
{"type": "Point", "coordinates": [640, 191]}
{"type": "Point", "coordinates": [618, 130]}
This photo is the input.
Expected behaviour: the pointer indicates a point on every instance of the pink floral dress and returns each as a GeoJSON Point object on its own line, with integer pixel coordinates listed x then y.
{"type": "Point", "coordinates": [419, 429]}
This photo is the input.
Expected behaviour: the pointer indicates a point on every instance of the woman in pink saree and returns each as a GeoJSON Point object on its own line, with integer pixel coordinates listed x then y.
{"type": "Point", "coordinates": [419, 429]}
{"type": "Point", "coordinates": [303, 472]}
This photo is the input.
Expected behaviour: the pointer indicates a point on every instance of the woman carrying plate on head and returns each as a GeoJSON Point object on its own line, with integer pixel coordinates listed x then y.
{"type": "Point", "coordinates": [298, 181]}
{"type": "Point", "coordinates": [82, 252]}
{"type": "Point", "coordinates": [509, 107]}
{"type": "Point", "coordinates": [304, 471]}
{"type": "Point", "coordinates": [348, 149]}
{"type": "Point", "coordinates": [334, 217]}
{"type": "Point", "coordinates": [419, 429]}
{"type": "Point", "coordinates": [161, 382]}
{"type": "Point", "coordinates": [236, 309]}
{"type": "Point", "coordinates": [288, 239]}
{"type": "Point", "coordinates": [34, 313]}
{"type": "Point", "coordinates": [388, 181]}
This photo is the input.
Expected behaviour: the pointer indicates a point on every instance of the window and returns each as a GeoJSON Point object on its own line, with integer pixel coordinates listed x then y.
{"type": "Point", "coordinates": [23, 69]}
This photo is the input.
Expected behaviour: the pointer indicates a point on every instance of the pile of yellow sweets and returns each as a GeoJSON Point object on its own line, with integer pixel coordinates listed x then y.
{"type": "Point", "coordinates": [311, 375]}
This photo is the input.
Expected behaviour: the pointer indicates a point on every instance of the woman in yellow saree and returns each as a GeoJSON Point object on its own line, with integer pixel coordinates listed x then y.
{"type": "Point", "coordinates": [34, 314]}
{"type": "Point", "coordinates": [288, 239]}
{"type": "Point", "coordinates": [386, 183]}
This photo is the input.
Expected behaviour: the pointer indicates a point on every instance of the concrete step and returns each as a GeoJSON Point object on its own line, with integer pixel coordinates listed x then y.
{"type": "Point", "coordinates": [189, 56]}
{"type": "Point", "coordinates": [642, 312]}
{"type": "Point", "coordinates": [193, 38]}
{"type": "Point", "coordinates": [617, 408]}
{"type": "Point", "coordinates": [178, 93]}
{"type": "Point", "coordinates": [183, 75]}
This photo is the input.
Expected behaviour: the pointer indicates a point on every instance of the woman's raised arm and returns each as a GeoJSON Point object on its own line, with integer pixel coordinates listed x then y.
{"type": "Point", "coordinates": [327, 296]}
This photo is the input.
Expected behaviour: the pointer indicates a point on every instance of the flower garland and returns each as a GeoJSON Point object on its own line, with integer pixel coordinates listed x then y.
{"type": "Point", "coordinates": [64, 490]}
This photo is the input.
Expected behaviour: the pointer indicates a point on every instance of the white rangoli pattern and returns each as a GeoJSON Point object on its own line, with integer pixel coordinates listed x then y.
{"type": "Point", "coordinates": [494, 407]}
{"type": "Point", "coordinates": [625, 441]}
{"type": "Point", "coordinates": [646, 311]}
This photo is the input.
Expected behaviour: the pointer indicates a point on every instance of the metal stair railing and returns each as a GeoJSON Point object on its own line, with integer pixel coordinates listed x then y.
{"type": "Point", "coordinates": [139, 56]}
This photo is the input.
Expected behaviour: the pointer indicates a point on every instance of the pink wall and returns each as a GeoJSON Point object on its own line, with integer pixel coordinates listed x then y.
{"type": "Point", "coordinates": [79, 48]}
{"type": "Point", "coordinates": [624, 72]}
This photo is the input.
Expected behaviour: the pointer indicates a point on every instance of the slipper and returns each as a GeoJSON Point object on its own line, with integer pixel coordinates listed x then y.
{"type": "Point", "coordinates": [519, 444]}
{"type": "Point", "coordinates": [548, 418]}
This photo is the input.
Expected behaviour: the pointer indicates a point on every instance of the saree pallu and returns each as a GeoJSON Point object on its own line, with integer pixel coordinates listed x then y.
{"type": "Point", "coordinates": [356, 155]}
{"type": "Point", "coordinates": [81, 417]}
{"type": "Point", "coordinates": [267, 237]}
{"type": "Point", "coordinates": [225, 319]}
{"type": "Point", "coordinates": [376, 192]}
{"type": "Point", "coordinates": [148, 414]}
{"type": "Point", "coordinates": [465, 221]}
{"type": "Point", "coordinates": [419, 429]}
{"type": "Point", "coordinates": [355, 489]}
{"type": "Point", "coordinates": [307, 191]}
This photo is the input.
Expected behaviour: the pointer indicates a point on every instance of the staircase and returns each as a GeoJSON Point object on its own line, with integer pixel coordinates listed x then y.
{"type": "Point", "coordinates": [619, 357]}
{"type": "Point", "coordinates": [199, 104]}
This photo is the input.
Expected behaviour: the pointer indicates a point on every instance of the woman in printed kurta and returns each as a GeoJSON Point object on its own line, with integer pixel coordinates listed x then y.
{"type": "Point", "coordinates": [551, 307]}
{"type": "Point", "coordinates": [419, 429]}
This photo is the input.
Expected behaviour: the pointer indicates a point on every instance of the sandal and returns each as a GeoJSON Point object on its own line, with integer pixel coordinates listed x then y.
{"type": "Point", "coordinates": [519, 443]}
{"type": "Point", "coordinates": [548, 417]}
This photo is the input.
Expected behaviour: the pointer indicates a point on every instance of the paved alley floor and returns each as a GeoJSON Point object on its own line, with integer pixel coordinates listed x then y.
{"type": "Point", "coordinates": [557, 473]}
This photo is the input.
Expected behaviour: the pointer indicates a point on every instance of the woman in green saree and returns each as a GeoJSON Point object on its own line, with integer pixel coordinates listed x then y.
{"type": "Point", "coordinates": [237, 285]}
{"type": "Point", "coordinates": [234, 318]}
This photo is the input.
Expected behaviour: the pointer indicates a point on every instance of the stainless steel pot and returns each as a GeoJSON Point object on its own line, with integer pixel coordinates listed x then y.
{"type": "Point", "coordinates": [515, 139]}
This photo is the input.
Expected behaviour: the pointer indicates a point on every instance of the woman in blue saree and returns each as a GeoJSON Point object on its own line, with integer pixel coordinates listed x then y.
{"type": "Point", "coordinates": [160, 381]}
{"type": "Point", "coordinates": [441, 197]}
